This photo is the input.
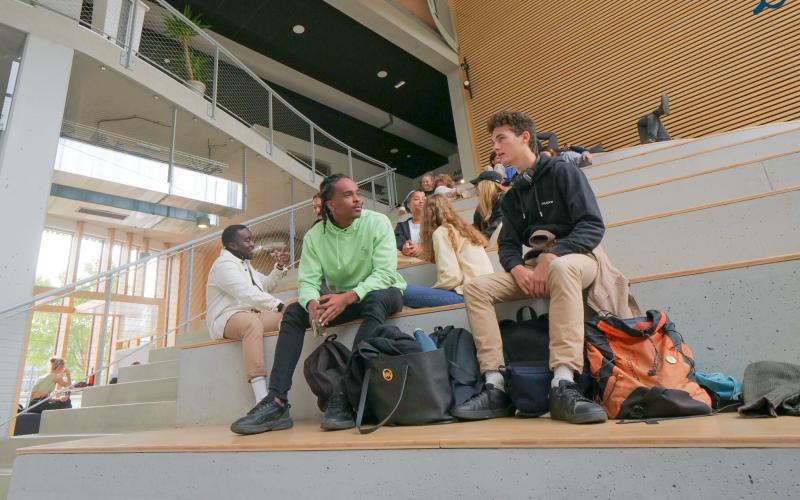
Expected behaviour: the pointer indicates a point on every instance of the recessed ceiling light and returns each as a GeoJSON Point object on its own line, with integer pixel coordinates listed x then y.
{"type": "Point", "coordinates": [399, 84]}
{"type": "Point", "coordinates": [156, 97]}
{"type": "Point", "coordinates": [383, 73]}
{"type": "Point", "coordinates": [394, 150]}
{"type": "Point", "coordinates": [298, 29]}
{"type": "Point", "coordinates": [408, 156]}
{"type": "Point", "coordinates": [102, 68]}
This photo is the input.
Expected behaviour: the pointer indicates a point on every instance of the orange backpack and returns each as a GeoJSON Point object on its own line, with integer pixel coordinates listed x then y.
{"type": "Point", "coordinates": [643, 368]}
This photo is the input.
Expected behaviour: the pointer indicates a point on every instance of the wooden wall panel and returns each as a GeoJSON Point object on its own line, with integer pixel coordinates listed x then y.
{"type": "Point", "coordinates": [589, 70]}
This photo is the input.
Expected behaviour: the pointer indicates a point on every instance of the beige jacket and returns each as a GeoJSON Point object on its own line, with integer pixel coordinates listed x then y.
{"type": "Point", "coordinates": [611, 289]}
{"type": "Point", "coordinates": [234, 286]}
{"type": "Point", "coordinates": [456, 266]}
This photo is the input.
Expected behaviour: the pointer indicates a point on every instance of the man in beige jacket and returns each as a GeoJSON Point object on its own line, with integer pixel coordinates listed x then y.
{"type": "Point", "coordinates": [239, 304]}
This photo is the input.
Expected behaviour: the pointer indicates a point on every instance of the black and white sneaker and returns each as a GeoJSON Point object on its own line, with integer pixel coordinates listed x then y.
{"type": "Point", "coordinates": [267, 415]}
{"type": "Point", "coordinates": [491, 402]}
{"type": "Point", "coordinates": [568, 403]}
{"type": "Point", "coordinates": [339, 415]}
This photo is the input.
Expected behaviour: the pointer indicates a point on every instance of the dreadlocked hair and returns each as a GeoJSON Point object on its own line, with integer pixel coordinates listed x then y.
{"type": "Point", "coordinates": [326, 194]}
{"type": "Point", "coordinates": [438, 212]}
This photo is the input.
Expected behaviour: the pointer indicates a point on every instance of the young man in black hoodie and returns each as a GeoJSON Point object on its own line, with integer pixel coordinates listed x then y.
{"type": "Point", "coordinates": [552, 195]}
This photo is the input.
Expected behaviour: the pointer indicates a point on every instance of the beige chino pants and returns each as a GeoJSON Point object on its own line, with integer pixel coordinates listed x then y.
{"type": "Point", "coordinates": [250, 327]}
{"type": "Point", "coordinates": [567, 277]}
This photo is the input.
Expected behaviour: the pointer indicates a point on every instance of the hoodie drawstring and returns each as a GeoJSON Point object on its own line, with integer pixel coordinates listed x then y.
{"type": "Point", "coordinates": [538, 205]}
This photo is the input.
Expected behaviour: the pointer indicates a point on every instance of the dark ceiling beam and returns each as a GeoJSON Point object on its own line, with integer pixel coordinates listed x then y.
{"type": "Point", "coordinates": [121, 202]}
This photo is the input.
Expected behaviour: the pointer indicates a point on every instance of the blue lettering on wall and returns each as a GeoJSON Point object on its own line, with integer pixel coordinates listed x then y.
{"type": "Point", "coordinates": [765, 4]}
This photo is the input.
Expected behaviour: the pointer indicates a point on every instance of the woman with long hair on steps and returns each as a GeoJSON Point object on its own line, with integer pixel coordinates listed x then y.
{"type": "Point", "coordinates": [490, 190]}
{"type": "Point", "coordinates": [457, 248]}
{"type": "Point", "coordinates": [57, 378]}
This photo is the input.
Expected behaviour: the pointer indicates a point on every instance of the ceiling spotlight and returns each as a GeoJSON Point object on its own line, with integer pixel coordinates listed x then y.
{"type": "Point", "coordinates": [399, 84]}
{"type": "Point", "coordinates": [102, 68]}
{"type": "Point", "coordinates": [156, 97]}
{"type": "Point", "coordinates": [394, 150]}
{"type": "Point", "coordinates": [408, 156]}
{"type": "Point", "coordinates": [383, 73]}
{"type": "Point", "coordinates": [203, 221]}
{"type": "Point", "coordinates": [230, 139]}
{"type": "Point", "coordinates": [298, 29]}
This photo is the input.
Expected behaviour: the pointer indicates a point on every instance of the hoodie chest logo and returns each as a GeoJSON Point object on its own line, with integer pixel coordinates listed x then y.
{"type": "Point", "coordinates": [545, 203]}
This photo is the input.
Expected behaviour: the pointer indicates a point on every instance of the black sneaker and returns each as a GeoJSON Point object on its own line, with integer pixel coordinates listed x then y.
{"type": "Point", "coordinates": [568, 403]}
{"type": "Point", "coordinates": [267, 415]}
{"type": "Point", "coordinates": [489, 403]}
{"type": "Point", "coordinates": [339, 415]}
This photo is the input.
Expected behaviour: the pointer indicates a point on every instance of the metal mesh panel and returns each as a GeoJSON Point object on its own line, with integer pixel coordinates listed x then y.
{"type": "Point", "coordinates": [291, 132]}
{"type": "Point", "coordinates": [331, 156]}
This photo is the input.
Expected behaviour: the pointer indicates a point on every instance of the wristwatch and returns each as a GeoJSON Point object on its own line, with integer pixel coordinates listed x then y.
{"type": "Point", "coordinates": [280, 307]}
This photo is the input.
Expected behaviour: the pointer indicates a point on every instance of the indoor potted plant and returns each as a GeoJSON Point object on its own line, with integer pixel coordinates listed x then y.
{"type": "Point", "coordinates": [195, 64]}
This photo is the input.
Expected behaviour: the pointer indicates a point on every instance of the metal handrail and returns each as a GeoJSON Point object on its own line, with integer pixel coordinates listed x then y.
{"type": "Point", "coordinates": [165, 253]}
{"type": "Point", "coordinates": [217, 46]}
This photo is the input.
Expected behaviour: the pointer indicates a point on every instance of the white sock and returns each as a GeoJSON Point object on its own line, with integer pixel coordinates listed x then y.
{"type": "Point", "coordinates": [496, 379]}
{"type": "Point", "coordinates": [562, 372]}
{"type": "Point", "coordinates": [259, 385]}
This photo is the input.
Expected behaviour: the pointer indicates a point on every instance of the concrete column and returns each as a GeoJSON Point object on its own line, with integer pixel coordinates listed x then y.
{"type": "Point", "coordinates": [27, 156]}
{"type": "Point", "coordinates": [469, 165]}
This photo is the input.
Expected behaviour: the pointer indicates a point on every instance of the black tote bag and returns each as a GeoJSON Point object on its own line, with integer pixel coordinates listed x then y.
{"type": "Point", "coordinates": [412, 389]}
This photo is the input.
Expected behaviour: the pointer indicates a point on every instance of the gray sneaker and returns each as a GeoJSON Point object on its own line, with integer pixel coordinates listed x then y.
{"type": "Point", "coordinates": [265, 416]}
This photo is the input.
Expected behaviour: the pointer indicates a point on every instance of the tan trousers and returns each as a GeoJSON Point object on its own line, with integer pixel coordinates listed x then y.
{"type": "Point", "coordinates": [567, 277]}
{"type": "Point", "coordinates": [249, 327]}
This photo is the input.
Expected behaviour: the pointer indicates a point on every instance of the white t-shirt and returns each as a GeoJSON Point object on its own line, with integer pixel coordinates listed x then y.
{"type": "Point", "coordinates": [414, 230]}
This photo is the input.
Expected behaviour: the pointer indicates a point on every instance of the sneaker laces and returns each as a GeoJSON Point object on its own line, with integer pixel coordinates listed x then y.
{"type": "Point", "coordinates": [575, 393]}
{"type": "Point", "coordinates": [264, 403]}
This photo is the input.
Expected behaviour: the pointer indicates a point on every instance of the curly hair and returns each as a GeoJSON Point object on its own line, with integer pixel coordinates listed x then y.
{"type": "Point", "coordinates": [518, 122]}
{"type": "Point", "coordinates": [438, 212]}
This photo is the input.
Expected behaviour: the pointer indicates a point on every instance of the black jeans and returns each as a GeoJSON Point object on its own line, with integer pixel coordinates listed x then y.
{"type": "Point", "coordinates": [373, 309]}
{"type": "Point", "coordinates": [50, 405]}
{"type": "Point", "coordinates": [651, 129]}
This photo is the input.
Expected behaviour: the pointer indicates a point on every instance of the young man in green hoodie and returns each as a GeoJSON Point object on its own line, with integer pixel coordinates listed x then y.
{"type": "Point", "coordinates": [354, 251]}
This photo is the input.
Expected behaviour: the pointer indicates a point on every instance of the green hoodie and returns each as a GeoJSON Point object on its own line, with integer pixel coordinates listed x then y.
{"type": "Point", "coordinates": [362, 258]}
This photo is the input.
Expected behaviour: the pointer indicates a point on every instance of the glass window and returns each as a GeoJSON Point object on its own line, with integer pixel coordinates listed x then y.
{"type": "Point", "coordinates": [90, 256]}
{"type": "Point", "coordinates": [51, 269]}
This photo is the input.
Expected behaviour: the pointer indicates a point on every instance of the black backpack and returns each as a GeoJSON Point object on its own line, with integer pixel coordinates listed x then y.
{"type": "Point", "coordinates": [462, 361]}
{"type": "Point", "coordinates": [324, 369]}
{"type": "Point", "coordinates": [526, 349]}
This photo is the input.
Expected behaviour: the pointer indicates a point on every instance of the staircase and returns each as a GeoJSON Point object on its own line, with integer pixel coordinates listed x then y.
{"type": "Point", "coordinates": [702, 227]}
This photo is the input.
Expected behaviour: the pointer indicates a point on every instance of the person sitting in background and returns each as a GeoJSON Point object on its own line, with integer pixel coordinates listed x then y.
{"type": "Point", "coordinates": [239, 304]}
{"type": "Point", "coordinates": [428, 183]}
{"type": "Point", "coordinates": [57, 378]}
{"type": "Point", "coordinates": [494, 165]}
{"type": "Point", "coordinates": [406, 233]}
{"type": "Point", "coordinates": [577, 156]}
{"type": "Point", "coordinates": [352, 250]}
{"type": "Point", "coordinates": [490, 189]}
{"type": "Point", "coordinates": [445, 186]}
{"type": "Point", "coordinates": [316, 204]}
{"type": "Point", "coordinates": [458, 250]}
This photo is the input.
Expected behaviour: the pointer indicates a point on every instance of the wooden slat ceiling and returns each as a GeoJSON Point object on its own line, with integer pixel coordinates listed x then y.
{"type": "Point", "coordinates": [589, 70]}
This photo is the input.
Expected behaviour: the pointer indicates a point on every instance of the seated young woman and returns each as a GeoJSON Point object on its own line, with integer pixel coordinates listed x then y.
{"type": "Point", "coordinates": [458, 250]}
{"type": "Point", "coordinates": [490, 190]}
{"type": "Point", "coordinates": [407, 232]}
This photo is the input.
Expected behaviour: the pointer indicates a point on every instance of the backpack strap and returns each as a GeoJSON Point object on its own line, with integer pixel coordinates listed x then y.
{"type": "Point", "coordinates": [521, 311]}
{"type": "Point", "coordinates": [363, 401]}
{"type": "Point", "coordinates": [334, 351]}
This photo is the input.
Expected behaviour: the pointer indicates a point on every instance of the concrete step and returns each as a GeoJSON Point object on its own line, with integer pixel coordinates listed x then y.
{"type": "Point", "coordinates": [640, 150]}
{"type": "Point", "coordinates": [741, 231]}
{"type": "Point", "coordinates": [752, 139]}
{"type": "Point", "coordinates": [734, 317]}
{"type": "Point", "coordinates": [164, 354]}
{"type": "Point", "coordinates": [149, 371]}
{"type": "Point", "coordinates": [199, 335]}
{"type": "Point", "coordinates": [746, 180]}
{"type": "Point", "coordinates": [217, 396]}
{"type": "Point", "coordinates": [10, 445]}
{"type": "Point", "coordinates": [691, 163]}
{"type": "Point", "coordinates": [165, 389]}
{"type": "Point", "coordinates": [5, 482]}
{"type": "Point", "coordinates": [731, 456]}
{"type": "Point", "coordinates": [109, 419]}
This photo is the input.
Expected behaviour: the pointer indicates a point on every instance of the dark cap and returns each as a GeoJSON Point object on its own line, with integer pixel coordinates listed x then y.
{"type": "Point", "coordinates": [489, 175]}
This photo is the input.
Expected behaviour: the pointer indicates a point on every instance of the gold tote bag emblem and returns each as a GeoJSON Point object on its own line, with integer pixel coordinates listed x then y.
{"type": "Point", "coordinates": [387, 375]}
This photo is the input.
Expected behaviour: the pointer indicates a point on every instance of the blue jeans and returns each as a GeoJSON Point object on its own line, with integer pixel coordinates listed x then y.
{"type": "Point", "coordinates": [422, 296]}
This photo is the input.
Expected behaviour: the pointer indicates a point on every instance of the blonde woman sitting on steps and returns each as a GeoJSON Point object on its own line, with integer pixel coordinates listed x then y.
{"type": "Point", "coordinates": [490, 190]}
{"type": "Point", "coordinates": [458, 250]}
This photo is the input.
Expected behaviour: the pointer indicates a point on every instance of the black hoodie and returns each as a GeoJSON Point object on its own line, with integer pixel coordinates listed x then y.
{"type": "Point", "coordinates": [558, 199]}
